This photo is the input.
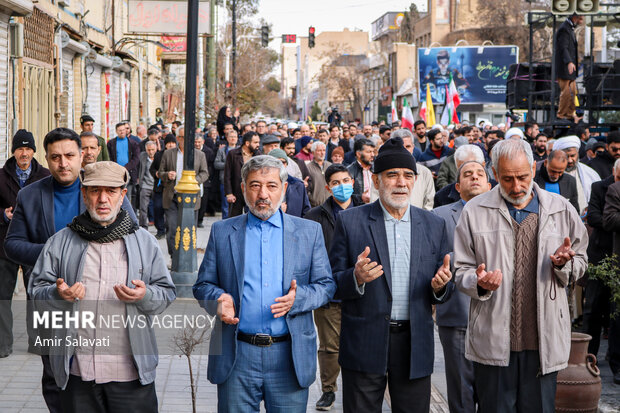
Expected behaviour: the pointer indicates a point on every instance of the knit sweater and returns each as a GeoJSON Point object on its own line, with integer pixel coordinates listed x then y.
{"type": "Point", "coordinates": [523, 319]}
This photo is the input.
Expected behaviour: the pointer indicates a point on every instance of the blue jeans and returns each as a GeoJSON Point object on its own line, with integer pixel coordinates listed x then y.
{"type": "Point", "coordinates": [262, 373]}
{"type": "Point", "coordinates": [224, 203]}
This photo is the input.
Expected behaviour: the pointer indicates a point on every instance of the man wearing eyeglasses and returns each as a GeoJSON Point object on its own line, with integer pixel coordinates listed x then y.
{"type": "Point", "coordinates": [603, 163]}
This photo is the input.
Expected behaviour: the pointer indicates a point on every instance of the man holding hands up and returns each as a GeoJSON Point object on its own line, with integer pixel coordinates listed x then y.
{"type": "Point", "coordinates": [516, 248]}
{"type": "Point", "coordinates": [390, 262]}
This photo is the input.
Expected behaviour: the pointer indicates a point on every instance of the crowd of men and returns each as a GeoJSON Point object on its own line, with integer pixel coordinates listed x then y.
{"type": "Point", "coordinates": [358, 236]}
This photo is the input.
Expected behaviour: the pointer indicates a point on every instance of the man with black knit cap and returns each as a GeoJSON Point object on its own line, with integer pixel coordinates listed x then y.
{"type": "Point", "coordinates": [390, 263]}
{"type": "Point", "coordinates": [19, 170]}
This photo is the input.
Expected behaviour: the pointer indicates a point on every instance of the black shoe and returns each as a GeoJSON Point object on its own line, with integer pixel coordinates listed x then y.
{"type": "Point", "coordinates": [326, 401]}
{"type": "Point", "coordinates": [617, 377]}
{"type": "Point", "coordinates": [201, 225]}
{"type": "Point", "coordinates": [160, 235]}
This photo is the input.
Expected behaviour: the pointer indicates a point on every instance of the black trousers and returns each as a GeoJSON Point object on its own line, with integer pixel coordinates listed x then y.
{"type": "Point", "coordinates": [363, 392]}
{"type": "Point", "coordinates": [8, 279]}
{"type": "Point", "coordinates": [86, 396]}
{"type": "Point", "coordinates": [204, 204]}
{"type": "Point", "coordinates": [51, 392]}
{"type": "Point", "coordinates": [517, 388]}
{"type": "Point", "coordinates": [158, 212]}
{"type": "Point", "coordinates": [595, 312]}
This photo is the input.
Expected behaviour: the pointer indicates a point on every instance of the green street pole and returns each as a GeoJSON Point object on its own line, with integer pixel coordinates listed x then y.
{"type": "Point", "coordinates": [184, 261]}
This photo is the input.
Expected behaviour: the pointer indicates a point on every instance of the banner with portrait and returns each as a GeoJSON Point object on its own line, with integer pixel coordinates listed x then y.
{"type": "Point", "coordinates": [479, 72]}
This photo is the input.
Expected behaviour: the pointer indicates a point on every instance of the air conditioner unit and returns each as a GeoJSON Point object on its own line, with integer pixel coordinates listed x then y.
{"type": "Point", "coordinates": [64, 3]}
{"type": "Point", "coordinates": [16, 38]}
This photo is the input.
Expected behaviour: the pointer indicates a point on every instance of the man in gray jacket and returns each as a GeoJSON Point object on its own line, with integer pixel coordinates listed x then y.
{"type": "Point", "coordinates": [105, 265]}
{"type": "Point", "coordinates": [516, 248]}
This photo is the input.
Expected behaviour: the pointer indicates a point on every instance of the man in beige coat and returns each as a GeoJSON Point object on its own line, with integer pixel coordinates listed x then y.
{"type": "Point", "coordinates": [170, 170]}
{"type": "Point", "coordinates": [516, 248]}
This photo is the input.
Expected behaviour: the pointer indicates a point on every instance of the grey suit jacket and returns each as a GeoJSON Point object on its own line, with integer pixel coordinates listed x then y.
{"type": "Point", "coordinates": [455, 311]}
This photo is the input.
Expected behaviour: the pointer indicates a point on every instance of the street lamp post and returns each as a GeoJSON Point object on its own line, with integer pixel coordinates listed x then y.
{"type": "Point", "coordinates": [184, 265]}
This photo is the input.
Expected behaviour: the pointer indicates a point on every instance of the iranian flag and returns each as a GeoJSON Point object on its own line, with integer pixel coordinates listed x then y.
{"type": "Point", "coordinates": [452, 102]}
{"type": "Point", "coordinates": [394, 112]}
{"type": "Point", "coordinates": [423, 111]}
{"type": "Point", "coordinates": [407, 116]}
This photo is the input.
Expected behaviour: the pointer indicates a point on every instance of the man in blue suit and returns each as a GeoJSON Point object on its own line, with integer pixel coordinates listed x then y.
{"type": "Point", "coordinates": [263, 274]}
{"type": "Point", "coordinates": [390, 263]}
{"type": "Point", "coordinates": [452, 316]}
{"type": "Point", "coordinates": [44, 208]}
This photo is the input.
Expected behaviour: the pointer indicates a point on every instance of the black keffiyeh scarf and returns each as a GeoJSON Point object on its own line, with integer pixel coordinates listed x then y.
{"type": "Point", "coordinates": [90, 230]}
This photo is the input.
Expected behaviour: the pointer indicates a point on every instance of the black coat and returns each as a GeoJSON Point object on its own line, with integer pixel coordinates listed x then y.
{"type": "Point", "coordinates": [10, 187]}
{"type": "Point", "coordinates": [602, 164]}
{"type": "Point", "coordinates": [210, 156]}
{"type": "Point", "coordinates": [324, 215]}
{"type": "Point", "coordinates": [232, 173]}
{"type": "Point", "coordinates": [565, 51]}
{"type": "Point", "coordinates": [568, 185]}
{"type": "Point", "coordinates": [357, 173]}
{"type": "Point", "coordinates": [134, 157]}
{"type": "Point", "coordinates": [601, 240]}
{"type": "Point", "coordinates": [157, 186]}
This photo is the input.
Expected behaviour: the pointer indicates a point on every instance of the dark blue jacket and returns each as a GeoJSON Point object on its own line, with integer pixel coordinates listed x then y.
{"type": "Point", "coordinates": [33, 221]}
{"type": "Point", "coordinates": [364, 336]}
{"type": "Point", "coordinates": [431, 161]}
{"type": "Point", "coordinates": [297, 202]}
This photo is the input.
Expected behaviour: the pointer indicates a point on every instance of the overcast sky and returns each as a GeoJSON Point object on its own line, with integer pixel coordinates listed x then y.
{"type": "Point", "coordinates": [295, 16]}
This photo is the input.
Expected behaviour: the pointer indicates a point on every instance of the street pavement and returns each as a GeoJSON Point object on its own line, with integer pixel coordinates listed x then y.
{"type": "Point", "coordinates": [20, 373]}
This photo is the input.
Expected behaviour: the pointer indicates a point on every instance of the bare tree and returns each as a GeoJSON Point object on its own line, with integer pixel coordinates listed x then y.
{"type": "Point", "coordinates": [342, 78]}
{"type": "Point", "coordinates": [187, 341]}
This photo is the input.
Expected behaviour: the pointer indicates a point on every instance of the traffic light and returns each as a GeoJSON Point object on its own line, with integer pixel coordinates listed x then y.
{"type": "Point", "coordinates": [311, 37]}
{"type": "Point", "coordinates": [567, 7]}
{"type": "Point", "coordinates": [264, 36]}
{"type": "Point", "coordinates": [228, 90]}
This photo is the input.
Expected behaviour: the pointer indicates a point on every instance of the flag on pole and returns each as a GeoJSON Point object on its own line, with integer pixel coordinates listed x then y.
{"type": "Point", "coordinates": [407, 116]}
{"type": "Point", "coordinates": [449, 115]}
{"type": "Point", "coordinates": [429, 112]}
{"type": "Point", "coordinates": [394, 112]}
{"type": "Point", "coordinates": [423, 111]}
{"type": "Point", "coordinates": [454, 93]}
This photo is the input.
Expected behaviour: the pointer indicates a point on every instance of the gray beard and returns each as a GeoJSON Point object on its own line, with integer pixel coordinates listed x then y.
{"type": "Point", "coordinates": [516, 201]}
{"type": "Point", "coordinates": [571, 169]}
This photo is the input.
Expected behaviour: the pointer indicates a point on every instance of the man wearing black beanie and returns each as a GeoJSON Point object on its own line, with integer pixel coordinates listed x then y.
{"type": "Point", "coordinates": [390, 262]}
{"type": "Point", "coordinates": [19, 170]}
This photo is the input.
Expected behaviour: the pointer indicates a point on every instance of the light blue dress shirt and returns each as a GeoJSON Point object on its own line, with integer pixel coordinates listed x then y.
{"type": "Point", "coordinates": [399, 246]}
{"type": "Point", "coordinates": [122, 151]}
{"type": "Point", "coordinates": [262, 276]}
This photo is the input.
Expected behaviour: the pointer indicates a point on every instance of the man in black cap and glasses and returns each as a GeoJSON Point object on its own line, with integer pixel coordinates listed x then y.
{"type": "Point", "coordinates": [390, 263]}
